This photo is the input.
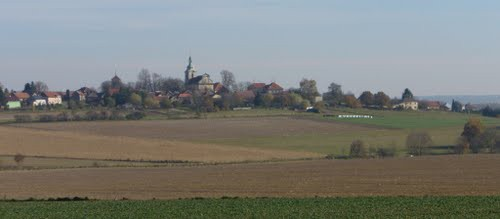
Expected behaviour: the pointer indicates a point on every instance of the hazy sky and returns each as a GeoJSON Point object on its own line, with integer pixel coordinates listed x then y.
{"type": "Point", "coordinates": [430, 46]}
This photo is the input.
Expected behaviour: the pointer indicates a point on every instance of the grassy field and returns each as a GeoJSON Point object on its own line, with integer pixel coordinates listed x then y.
{"type": "Point", "coordinates": [283, 132]}
{"type": "Point", "coordinates": [360, 207]}
{"type": "Point", "coordinates": [410, 119]}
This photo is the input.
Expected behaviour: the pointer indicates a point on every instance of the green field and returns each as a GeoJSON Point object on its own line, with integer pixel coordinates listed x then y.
{"type": "Point", "coordinates": [410, 119]}
{"type": "Point", "coordinates": [360, 207]}
{"type": "Point", "coordinates": [389, 129]}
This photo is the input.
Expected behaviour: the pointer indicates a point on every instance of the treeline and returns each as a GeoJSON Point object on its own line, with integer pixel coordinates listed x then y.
{"type": "Point", "coordinates": [92, 115]}
{"type": "Point", "coordinates": [490, 112]}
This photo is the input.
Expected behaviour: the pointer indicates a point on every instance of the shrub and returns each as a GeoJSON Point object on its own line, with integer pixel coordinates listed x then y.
{"type": "Point", "coordinates": [358, 149]}
{"type": "Point", "coordinates": [385, 152]}
{"type": "Point", "coordinates": [135, 115]}
{"type": "Point", "coordinates": [64, 116]}
{"type": "Point", "coordinates": [47, 118]}
{"type": "Point", "coordinates": [23, 118]}
{"type": "Point", "coordinates": [19, 158]}
{"type": "Point", "coordinates": [418, 142]}
{"type": "Point", "coordinates": [92, 116]}
{"type": "Point", "coordinates": [116, 115]}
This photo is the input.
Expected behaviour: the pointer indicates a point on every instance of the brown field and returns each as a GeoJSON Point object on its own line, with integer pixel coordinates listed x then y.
{"type": "Point", "coordinates": [200, 128]}
{"type": "Point", "coordinates": [436, 175]}
{"type": "Point", "coordinates": [122, 142]}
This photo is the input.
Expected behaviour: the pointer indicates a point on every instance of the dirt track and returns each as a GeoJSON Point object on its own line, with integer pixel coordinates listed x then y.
{"type": "Point", "coordinates": [449, 175]}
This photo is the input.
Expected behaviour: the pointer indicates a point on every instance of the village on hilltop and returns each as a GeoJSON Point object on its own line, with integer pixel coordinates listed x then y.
{"type": "Point", "coordinates": [200, 91]}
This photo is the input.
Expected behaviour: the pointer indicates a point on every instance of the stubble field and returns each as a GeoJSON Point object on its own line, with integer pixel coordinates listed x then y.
{"type": "Point", "coordinates": [434, 175]}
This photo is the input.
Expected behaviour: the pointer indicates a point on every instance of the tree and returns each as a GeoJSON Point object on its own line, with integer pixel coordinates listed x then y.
{"type": "Point", "coordinates": [382, 100]}
{"type": "Point", "coordinates": [149, 102]}
{"type": "Point", "coordinates": [242, 86]}
{"type": "Point", "coordinates": [308, 89]}
{"type": "Point", "coordinates": [334, 95]}
{"type": "Point", "coordinates": [156, 80]}
{"type": "Point", "coordinates": [106, 87]}
{"type": "Point", "coordinates": [207, 104]}
{"type": "Point", "coordinates": [3, 97]}
{"type": "Point", "coordinates": [267, 100]}
{"type": "Point", "coordinates": [40, 87]}
{"type": "Point", "coordinates": [456, 106]}
{"type": "Point", "coordinates": [472, 129]}
{"type": "Point", "coordinates": [172, 85]}
{"type": "Point", "coordinates": [366, 98]}
{"type": "Point", "coordinates": [109, 102]}
{"type": "Point", "coordinates": [165, 103]}
{"type": "Point", "coordinates": [227, 79]}
{"type": "Point", "coordinates": [295, 100]}
{"type": "Point", "coordinates": [135, 99]}
{"type": "Point", "coordinates": [485, 141]}
{"type": "Point", "coordinates": [407, 95]}
{"type": "Point", "coordinates": [418, 142]}
{"type": "Point", "coordinates": [351, 101]}
{"type": "Point", "coordinates": [29, 88]}
{"type": "Point", "coordinates": [144, 81]}
{"type": "Point", "coordinates": [357, 149]}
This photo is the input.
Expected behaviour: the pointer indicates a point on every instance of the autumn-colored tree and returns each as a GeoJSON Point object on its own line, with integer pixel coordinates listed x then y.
{"type": "Point", "coordinates": [366, 98]}
{"type": "Point", "coordinates": [351, 101]}
{"type": "Point", "coordinates": [382, 100]}
{"type": "Point", "coordinates": [472, 129]}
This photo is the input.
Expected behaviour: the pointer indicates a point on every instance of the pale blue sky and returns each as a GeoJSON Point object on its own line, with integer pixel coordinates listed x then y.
{"type": "Point", "coordinates": [430, 46]}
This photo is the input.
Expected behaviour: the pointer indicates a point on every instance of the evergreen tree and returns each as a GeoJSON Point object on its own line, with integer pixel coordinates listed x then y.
{"type": "Point", "coordinates": [407, 95]}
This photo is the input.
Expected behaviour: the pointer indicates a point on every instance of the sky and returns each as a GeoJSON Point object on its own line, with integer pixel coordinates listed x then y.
{"type": "Point", "coordinates": [445, 47]}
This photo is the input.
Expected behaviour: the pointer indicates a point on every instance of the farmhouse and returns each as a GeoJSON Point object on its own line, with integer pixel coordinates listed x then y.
{"type": "Point", "coordinates": [21, 96]}
{"type": "Point", "coordinates": [52, 98]}
{"type": "Point", "coordinates": [407, 105]}
{"type": "Point", "coordinates": [262, 88]}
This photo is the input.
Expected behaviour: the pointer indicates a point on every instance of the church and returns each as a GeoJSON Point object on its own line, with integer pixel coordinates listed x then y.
{"type": "Point", "coordinates": [200, 83]}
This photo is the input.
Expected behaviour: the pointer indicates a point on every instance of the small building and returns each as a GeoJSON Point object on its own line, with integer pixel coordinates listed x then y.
{"type": "Point", "coordinates": [273, 88]}
{"type": "Point", "coordinates": [257, 88]}
{"type": "Point", "coordinates": [13, 103]}
{"type": "Point", "coordinates": [407, 105]}
{"type": "Point", "coordinates": [52, 98]}
{"type": "Point", "coordinates": [36, 100]}
{"type": "Point", "coordinates": [21, 96]}
{"type": "Point", "coordinates": [261, 88]}
{"type": "Point", "coordinates": [433, 105]}
{"type": "Point", "coordinates": [220, 89]}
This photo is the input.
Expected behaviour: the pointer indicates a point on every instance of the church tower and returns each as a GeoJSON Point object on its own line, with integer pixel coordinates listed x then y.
{"type": "Point", "coordinates": [190, 71]}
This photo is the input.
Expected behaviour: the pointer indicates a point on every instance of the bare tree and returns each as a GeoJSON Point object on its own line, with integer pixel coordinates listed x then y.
{"type": "Point", "coordinates": [228, 80]}
{"type": "Point", "coordinates": [41, 87]}
{"type": "Point", "coordinates": [358, 149]}
{"type": "Point", "coordinates": [144, 81]}
{"type": "Point", "coordinates": [156, 80]}
{"type": "Point", "coordinates": [242, 86]}
{"type": "Point", "coordinates": [172, 85]}
{"type": "Point", "coordinates": [418, 142]}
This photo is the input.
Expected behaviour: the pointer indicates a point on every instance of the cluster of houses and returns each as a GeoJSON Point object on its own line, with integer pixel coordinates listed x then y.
{"type": "Point", "coordinates": [16, 100]}
{"type": "Point", "coordinates": [201, 84]}
{"type": "Point", "coordinates": [194, 84]}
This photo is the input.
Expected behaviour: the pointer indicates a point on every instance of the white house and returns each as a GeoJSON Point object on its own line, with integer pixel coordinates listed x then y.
{"type": "Point", "coordinates": [53, 98]}
{"type": "Point", "coordinates": [407, 105]}
{"type": "Point", "coordinates": [37, 101]}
